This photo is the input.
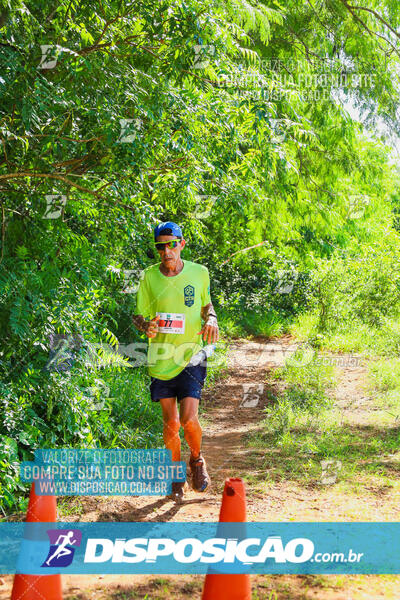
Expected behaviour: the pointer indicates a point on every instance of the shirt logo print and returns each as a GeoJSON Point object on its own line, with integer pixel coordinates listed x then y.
{"type": "Point", "coordinates": [189, 295]}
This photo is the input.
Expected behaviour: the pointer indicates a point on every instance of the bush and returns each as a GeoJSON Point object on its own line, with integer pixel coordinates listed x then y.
{"type": "Point", "coordinates": [362, 288]}
{"type": "Point", "coordinates": [261, 293]}
{"type": "Point", "coordinates": [85, 407]}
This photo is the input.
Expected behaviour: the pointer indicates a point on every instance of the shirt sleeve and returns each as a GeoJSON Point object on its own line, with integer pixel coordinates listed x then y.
{"type": "Point", "coordinates": [205, 294]}
{"type": "Point", "coordinates": [143, 301]}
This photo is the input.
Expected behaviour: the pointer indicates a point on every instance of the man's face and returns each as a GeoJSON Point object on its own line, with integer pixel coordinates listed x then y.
{"type": "Point", "coordinates": [170, 256]}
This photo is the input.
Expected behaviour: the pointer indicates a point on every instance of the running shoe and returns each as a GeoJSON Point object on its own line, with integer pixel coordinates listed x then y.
{"type": "Point", "coordinates": [177, 490]}
{"type": "Point", "coordinates": [200, 477]}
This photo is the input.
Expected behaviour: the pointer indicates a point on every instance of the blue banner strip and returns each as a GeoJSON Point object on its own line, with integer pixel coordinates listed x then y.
{"type": "Point", "coordinates": [188, 548]}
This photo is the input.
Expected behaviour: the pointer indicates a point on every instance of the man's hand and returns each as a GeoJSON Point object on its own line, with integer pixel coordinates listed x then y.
{"type": "Point", "coordinates": [152, 327]}
{"type": "Point", "coordinates": [210, 330]}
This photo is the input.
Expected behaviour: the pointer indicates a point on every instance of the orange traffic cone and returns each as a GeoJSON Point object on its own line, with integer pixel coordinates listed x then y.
{"type": "Point", "coordinates": [41, 509]}
{"type": "Point", "coordinates": [232, 586]}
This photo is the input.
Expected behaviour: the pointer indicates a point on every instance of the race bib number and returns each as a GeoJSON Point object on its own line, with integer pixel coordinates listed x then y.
{"type": "Point", "coordinates": [171, 323]}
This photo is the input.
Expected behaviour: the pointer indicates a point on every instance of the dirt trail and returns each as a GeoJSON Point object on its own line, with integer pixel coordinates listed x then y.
{"type": "Point", "coordinates": [228, 417]}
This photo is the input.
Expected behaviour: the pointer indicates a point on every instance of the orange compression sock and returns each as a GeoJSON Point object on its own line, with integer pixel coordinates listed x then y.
{"type": "Point", "coordinates": [171, 437]}
{"type": "Point", "coordinates": [193, 433]}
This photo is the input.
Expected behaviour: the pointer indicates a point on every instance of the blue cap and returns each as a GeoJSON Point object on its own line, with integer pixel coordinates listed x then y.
{"type": "Point", "coordinates": [167, 228]}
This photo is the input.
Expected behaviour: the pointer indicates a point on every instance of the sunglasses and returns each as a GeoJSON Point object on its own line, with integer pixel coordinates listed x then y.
{"type": "Point", "coordinates": [160, 246]}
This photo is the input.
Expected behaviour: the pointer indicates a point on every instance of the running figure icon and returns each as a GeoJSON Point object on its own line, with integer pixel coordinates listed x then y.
{"type": "Point", "coordinates": [62, 549]}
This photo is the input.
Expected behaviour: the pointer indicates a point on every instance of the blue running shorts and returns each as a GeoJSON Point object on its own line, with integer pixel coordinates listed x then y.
{"type": "Point", "coordinates": [189, 382]}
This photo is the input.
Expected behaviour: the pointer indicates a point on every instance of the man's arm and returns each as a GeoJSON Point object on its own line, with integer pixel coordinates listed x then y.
{"type": "Point", "coordinates": [210, 328]}
{"type": "Point", "coordinates": [208, 310]}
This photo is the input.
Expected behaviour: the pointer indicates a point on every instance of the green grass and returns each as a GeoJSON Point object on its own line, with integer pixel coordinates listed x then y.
{"type": "Point", "coordinates": [250, 323]}
{"type": "Point", "coordinates": [69, 506]}
{"type": "Point", "coordinates": [302, 428]}
{"type": "Point", "coordinates": [384, 386]}
{"type": "Point", "coordinates": [384, 375]}
{"type": "Point", "coordinates": [383, 340]}
{"type": "Point", "coordinates": [306, 382]}
{"type": "Point", "coordinates": [365, 454]}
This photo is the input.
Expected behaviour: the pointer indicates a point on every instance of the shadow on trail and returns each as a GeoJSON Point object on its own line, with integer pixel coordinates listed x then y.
{"type": "Point", "coordinates": [128, 512]}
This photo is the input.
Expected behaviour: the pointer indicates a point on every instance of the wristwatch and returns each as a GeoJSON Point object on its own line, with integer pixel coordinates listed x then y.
{"type": "Point", "coordinates": [213, 319]}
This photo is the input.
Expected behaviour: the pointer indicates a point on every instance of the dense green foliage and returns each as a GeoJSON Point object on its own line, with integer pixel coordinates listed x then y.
{"type": "Point", "coordinates": [212, 116]}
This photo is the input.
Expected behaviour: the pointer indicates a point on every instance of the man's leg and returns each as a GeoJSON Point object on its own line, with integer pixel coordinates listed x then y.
{"type": "Point", "coordinates": [188, 412]}
{"type": "Point", "coordinates": [193, 434]}
{"type": "Point", "coordinates": [171, 427]}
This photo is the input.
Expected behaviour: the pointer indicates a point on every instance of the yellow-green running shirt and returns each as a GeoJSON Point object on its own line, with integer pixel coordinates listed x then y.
{"type": "Point", "coordinates": [178, 301]}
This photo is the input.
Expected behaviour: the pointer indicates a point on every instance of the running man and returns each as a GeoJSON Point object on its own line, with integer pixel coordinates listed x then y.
{"type": "Point", "coordinates": [173, 297]}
